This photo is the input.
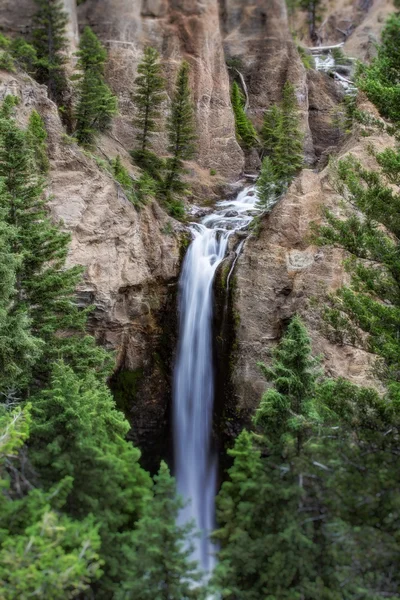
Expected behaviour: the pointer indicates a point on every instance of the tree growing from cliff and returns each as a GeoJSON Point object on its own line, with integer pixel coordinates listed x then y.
{"type": "Point", "coordinates": [245, 132]}
{"type": "Point", "coordinates": [288, 151]}
{"type": "Point", "coordinates": [181, 132]}
{"type": "Point", "coordinates": [96, 104]}
{"type": "Point", "coordinates": [51, 45]}
{"type": "Point", "coordinates": [313, 8]}
{"type": "Point", "coordinates": [380, 79]}
{"type": "Point", "coordinates": [148, 97]}
{"type": "Point", "coordinates": [158, 561]}
{"type": "Point", "coordinates": [268, 185]}
{"type": "Point", "coordinates": [282, 139]}
{"type": "Point", "coordinates": [45, 288]}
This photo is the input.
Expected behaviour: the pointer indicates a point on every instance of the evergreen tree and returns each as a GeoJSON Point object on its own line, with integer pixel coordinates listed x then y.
{"type": "Point", "coordinates": [288, 151]}
{"type": "Point", "coordinates": [241, 514]}
{"type": "Point", "coordinates": [380, 79]}
{"type": "Point", "coordinates": [271, 129]}
{"type": "Point", "coordinates": [37, 140]}
{"type": "Point", "coordinates": [272, 510]}
{"type": "Point", "coordinates": [78, 432]}
{"type": "Point", "coordinates": [19, 350]}
{"type": "Point", "coordinates": [42, 553]}
{"type": "Point", "coordinates": [96, 104]}
{"type": "Point", "coordinates": [148, 97]}
{"type": "Point", "coordinates": [158, 560]}
{"type": "Point", "coordinates": [181, 132]}
{"type": "Point", "coordinates": [313, 9]}
{"type": "Point", "coordinates": [282, 143]}
{"type": "Point", "coordinates": [245, 131]}
{"type": "Point", "coordinates": [24, 55]}
{"type": "Point", "coordinates": [45, 289]}
{"type": "Point", "coordinates": [372, 301]}
{"type": "Point", "coordinates": [268, 185]}
{"type": "Point", "coordinates": [51, 45]}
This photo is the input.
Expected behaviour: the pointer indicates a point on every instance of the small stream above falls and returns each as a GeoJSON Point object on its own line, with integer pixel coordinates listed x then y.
{"type": "Point", "coordinates": [194, 375]}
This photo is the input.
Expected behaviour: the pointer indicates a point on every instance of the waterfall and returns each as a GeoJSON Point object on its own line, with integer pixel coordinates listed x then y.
{"type": "Point", "coordinates": [193, 390]}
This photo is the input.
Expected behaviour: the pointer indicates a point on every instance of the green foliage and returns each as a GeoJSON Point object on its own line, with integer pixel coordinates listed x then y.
{"type": "Point", "coordinates": [306, 57]}
{"type": "Point", "coordinates": [310, 509]}
{"type": "Point", "coordinates": [288, 151]}
{"type": "Point", "coordinates": [96, 104]}
{"type": "Point", "coordinates": [245, 132]}
{"type": "Point", "coordinates": [42, 552]}
{"type": "Point", "coordinates": [45, 289]}
{"type": "Point", "coordinates": [139, 191]}
{"type": "Point", "coordinates": [268, 185]}
{"type": "Point", "coordinates": [19, 350]}
{"type": "Point", "coordinates": [78, 432]}
{"type": "Point", "coordinates": [50, 43]}
{"type": "Point", "coordinates": [313, 8]}
{"type": "Point", "coordinates": [181, 134]}
{"type": "Point", "coordinates": [54, 558]}
{"type": "Point", "coordinates": [273, 544]}
{"type": "Point", "coordinates": [37, 140]}
{"type": "Point", "coordinates": [24, 55]}
{"type": "Point", "coordinates": [283, 145]}
{"type": "Point", "coordinates": [148, 97]}
{"type": "Point", "coordinates": [158, 560]}
{"type": "Point", "coordinates": [6, 61]}
{"type": "Point", "coordinates": [380, 80]}
{"type": "Point", "coordinates": [371, 302]}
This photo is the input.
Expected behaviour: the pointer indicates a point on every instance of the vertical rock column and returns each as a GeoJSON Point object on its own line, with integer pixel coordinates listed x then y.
{"type": "Point", "coordinates": [179, 29]}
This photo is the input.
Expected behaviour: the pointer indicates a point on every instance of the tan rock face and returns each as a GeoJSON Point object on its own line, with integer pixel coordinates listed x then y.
{"type": "Point", "coordinates": [131, 258]}
{"type": "Point", "coordinates": [179, 30]}
{"type": "Point", "coordinates": [282, 273]}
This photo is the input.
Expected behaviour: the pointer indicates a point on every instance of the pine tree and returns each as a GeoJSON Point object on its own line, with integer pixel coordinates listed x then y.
{"type": "Point", "coordinates": [245, 131]}
{"type": "Point", "coordinates": [51, 45]}
{"type": "Point", "coordinates": [272, 126]}
{"type": "Point", "coordinates": [241, 514]}
{"type": "Point", "coordinates": [37, 140]}
{"type": "Point", "coordinates": [19, 350]}
{"type": "Point", "coordinates": [274, 496]}
{"type": "Point", "coordinates": [45, 289]}
{"type": "Point", "coordinates": [148, 97]}
{"type": "Point", "coordinates": [42, 553]}
{"type": "Point", "coordinates": [268, 185]}
{"type": "Point", "coordinates": [158, 562]}
{"type": "Point", "coordinates": [313, 9]}
{"type": "Point", "coordinates": [78, 432]}
{"type": "Point", "coordinates": [24, 55]}
{"type": "Point", "coordinates": [96, 104]}
{"type": "Point", "coordinates": [181, 132]}
{"type": "Point", "coordinates": [288, 151]}
{"type": "Point", "coordinates": [380, 79]}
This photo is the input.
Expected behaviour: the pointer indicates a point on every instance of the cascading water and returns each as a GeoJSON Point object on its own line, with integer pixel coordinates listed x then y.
{"type": "Point", "coordinates": [195, 456]}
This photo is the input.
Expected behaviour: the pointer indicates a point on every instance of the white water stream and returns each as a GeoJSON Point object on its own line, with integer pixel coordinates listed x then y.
{"type": "Point", "coordinates": [193, 393]}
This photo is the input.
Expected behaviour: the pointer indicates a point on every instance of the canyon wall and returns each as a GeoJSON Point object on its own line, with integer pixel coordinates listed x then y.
{"type": "Point", "coordinates": [132, 259]}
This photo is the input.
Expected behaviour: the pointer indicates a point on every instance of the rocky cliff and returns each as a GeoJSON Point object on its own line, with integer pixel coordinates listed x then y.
{"type": "Point", "coordinates": [132, 258]}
